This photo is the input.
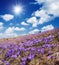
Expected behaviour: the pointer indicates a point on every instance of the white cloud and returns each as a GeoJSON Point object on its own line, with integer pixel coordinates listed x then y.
{"type": "Point", "coordinates": [13, 29]}
{"type": "Point", "coordinates": [7, 17]}
{"type": "Point", "coordinates": [50, 7]}
{"type": "Point", "coordinates": [19, 29]}
{"type": "Point", "coordinates": [8, 35]}
{"type": "Point", "coordinates": [34, 31]}
{"type": "Point", "coordinates": [1, 26]}
{"type": "Point", "coordinates": [53, 8]}
{"type": "Point", "coordinates": [42, 15]}
{"type": "Point", "coordinates": [39, 1]}
{"type": "Point", "coordinates": [24, 23]}
{"type": "Point", "coordinates": [46, 28]}
{"type": "Point", "coordinates": [33, 21]}
{"type": "Point", "coordinates": [45, 1]}
{"type": "Point", "coordinates": [11, 32]}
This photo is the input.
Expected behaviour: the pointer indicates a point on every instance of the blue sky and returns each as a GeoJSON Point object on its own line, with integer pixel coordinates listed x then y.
{"type": "Point", "coordinates": [36, 16]}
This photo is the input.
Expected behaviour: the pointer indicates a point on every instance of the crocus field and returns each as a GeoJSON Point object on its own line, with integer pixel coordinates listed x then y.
{"type": "Point", "coordinates": [36, 49]}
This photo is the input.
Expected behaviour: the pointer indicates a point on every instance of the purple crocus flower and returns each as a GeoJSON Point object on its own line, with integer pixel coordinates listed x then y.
{"type": "Point", "coordinates": [27, 49]}
{"type": "Point", "coordinates": [23, 63]}
{"type": "Point", "coordinates": [7, 63]}
{"type": "Point", "coordinates": [38, 49]}
{"type": "Point", "coordinates": [42, 50]}
{"type": "Point", "coordinates": [14, 56]}
{"type": "Point", "coordinates": [0, 52]}
{"type": "Point", "coordinates": [3, 60]}
{"type": "Point", "coordinates": [54, 45]}
{"type": "Point", "coordinates": [33, 49]}
{"type": "Point", "coordinates": [51, 57]}
{"type": "Point", "coordinates": [31, 56]}
{"type": "Point", "coordinates": [0, 47]}
{"type": "Point", "coordinates": [47, 46]}
{"type": "Point", "coordinates": [24, 59]}
{"type": "Point", "coordinates": [18, 53]}
{"type": "Point", "coordinates": [49, 52]}
{"type": "Point", "coordinates": [9, 52]}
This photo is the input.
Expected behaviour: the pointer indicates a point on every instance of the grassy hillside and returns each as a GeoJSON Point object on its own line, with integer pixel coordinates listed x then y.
{"type": "Point", "coordinates": [34, 49]}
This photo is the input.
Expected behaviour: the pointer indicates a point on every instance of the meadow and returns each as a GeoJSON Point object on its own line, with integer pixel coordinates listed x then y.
{"type": "Point", "coordinates": [34, 49]}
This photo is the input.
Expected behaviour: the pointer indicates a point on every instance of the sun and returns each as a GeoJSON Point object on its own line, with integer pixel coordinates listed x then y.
{"type": "Point", "coordinates": [17, 9]}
